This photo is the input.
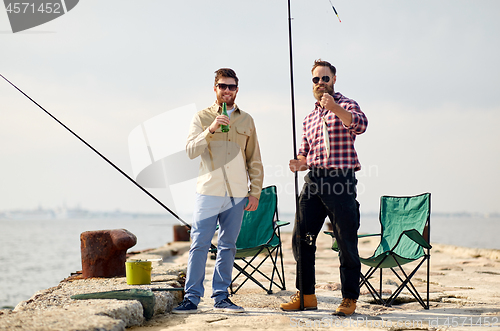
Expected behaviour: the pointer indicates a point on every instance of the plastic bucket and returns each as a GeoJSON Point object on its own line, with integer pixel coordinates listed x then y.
{"type": "Point", "coordinates": [138, 272]}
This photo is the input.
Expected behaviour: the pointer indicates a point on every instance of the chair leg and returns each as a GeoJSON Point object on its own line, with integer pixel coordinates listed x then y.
{"type": "Point", "coordinates": [248, 276]}
{"type": "Point", "coordinates": [273, 255]}
{"type": "Point", "coordinates": [380, 281]}
{"type": "Point", "coordinates": [364, 281]}
{"type": "Point", "coordinates": [282, 276]}
{"type": "Point", "coordinates": [242, 271]}
{"type": "Point", "coordinates": [428, 276]}
{"type": "Point", "coordinates": [406, 282]}
{"type": "Point", "coordinates": [378, 295]}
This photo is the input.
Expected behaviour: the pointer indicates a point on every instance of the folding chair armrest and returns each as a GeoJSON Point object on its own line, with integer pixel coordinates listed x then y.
{"type": "Point", "coordinates": [280, 223]}
{"type": "Point", "coordinates": [417, 237]}
{"type": "Point", "coordinates": [330, 233]}
{"type": "Point", "coordinates": [368, 235]}
{"type": "Point", "coordinates": [335, 246]}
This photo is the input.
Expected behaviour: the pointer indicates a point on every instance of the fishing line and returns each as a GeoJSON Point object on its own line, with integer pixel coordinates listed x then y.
{"type": "Point", "coordinates": [98, 153]}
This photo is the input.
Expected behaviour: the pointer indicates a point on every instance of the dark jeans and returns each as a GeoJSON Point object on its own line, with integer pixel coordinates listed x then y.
{"type": "Point", "coordinates": [331, 194]}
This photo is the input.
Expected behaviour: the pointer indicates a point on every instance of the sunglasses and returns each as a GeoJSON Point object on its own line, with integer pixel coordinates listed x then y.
{"type": "Point", "coordinates": [326, 79]}
{"type": "Point", "coordinates": [231, 87]}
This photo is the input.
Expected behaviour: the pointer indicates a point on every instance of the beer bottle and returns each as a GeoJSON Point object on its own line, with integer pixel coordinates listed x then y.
{"type": "Point", "coordinates": [224, 128]}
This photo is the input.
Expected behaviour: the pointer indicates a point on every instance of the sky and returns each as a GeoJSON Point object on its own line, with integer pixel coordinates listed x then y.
{"type": "Point", "coordinates": [425, 73]}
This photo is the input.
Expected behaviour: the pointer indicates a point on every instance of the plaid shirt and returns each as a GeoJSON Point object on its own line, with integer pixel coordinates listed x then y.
{"type": "Point", "coordinates": [342, 152]}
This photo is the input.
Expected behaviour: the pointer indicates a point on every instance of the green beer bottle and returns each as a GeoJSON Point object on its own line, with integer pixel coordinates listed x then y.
{"type": "Point", "coordinates": [224, 128]}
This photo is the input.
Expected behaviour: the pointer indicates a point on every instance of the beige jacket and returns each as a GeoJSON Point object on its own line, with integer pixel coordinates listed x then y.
{"type": "Point", "coordinates": [230, 162]}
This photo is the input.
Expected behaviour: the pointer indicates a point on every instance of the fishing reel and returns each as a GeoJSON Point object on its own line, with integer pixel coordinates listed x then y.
{"type": "Point", "coordinates": [310, 239]}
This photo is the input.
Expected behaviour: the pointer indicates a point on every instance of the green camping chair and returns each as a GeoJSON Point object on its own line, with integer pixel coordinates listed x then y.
{"type": "Point", "coordinates": [259, 241]}
{"type": "Point", "coordinates": [405, 224]}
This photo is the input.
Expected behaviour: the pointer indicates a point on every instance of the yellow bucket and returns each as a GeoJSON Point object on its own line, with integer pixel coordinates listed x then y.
{"type": "Point", "coordinates": [138, 272]}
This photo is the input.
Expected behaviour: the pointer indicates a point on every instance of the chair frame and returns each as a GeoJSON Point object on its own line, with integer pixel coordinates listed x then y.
{"type": "Point", "coordinates": [272, 252]}
{"type": "Point", "coordinates": [415, 236]}
{"type": "Point", "coordinates": [269, 251]}
{"type": "Point", "coordinates": [422, 240]}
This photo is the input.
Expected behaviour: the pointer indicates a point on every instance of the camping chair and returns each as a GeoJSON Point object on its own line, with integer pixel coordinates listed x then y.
{"type": "Point", "coordinates": [259, 241]}
{"type": "Point", "coordinates": [405, 224]}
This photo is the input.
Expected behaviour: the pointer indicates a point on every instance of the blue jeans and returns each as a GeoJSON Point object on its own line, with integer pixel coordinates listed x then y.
{"type": "Point", "coordinates": [210, 210]}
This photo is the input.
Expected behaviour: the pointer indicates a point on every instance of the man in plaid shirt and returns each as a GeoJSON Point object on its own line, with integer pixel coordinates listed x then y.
{"type": "Point", "coordinates": [327, 150]}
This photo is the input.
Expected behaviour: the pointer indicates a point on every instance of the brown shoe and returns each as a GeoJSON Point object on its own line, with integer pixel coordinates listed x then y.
{"type": "Point", "coordinates": [310, 302]}
{"type": "Point", "coordinates": [347, 307]}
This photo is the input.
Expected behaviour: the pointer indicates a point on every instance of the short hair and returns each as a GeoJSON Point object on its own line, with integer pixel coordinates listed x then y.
{"type": "Point", "coordinates": [321, 63]}
{"type": "Point", "coordinates": [225, 72]}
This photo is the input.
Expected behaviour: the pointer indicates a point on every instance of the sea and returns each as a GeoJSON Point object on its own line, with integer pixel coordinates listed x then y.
{"type": "Point", "coordinates": [36, 254]}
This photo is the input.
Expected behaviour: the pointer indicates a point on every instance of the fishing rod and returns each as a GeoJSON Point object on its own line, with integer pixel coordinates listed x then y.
{"type": "Point", "coordinates": [294, 135]}
{"type": "Point", "coordinates": [98, 153]}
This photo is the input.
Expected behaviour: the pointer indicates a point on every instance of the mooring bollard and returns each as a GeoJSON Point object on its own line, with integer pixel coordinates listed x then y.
{"type": "Point", "coordinates": [104, 252]}
{"type": "Point", "coordinates": [181, 233]}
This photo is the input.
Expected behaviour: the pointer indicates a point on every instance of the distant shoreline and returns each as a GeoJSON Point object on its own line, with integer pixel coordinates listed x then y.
{"type": "Point", "coordinates": [74, 213]}
{"type": "Point", "coordinates": [41, 213]}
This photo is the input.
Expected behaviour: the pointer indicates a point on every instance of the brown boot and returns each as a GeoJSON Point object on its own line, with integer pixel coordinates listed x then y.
{"type": "Point", "coordinates": [346, 308]}
{"type": "Point", "coordinates": [310, 302]}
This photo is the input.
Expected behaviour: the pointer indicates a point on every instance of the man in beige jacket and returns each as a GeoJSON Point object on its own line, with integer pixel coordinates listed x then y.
{"type": "Point", "coordinates": [229, 182]}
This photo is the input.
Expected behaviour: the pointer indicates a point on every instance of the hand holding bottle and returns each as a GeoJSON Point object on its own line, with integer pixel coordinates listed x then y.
{"type": "Point", "coordinates": [221, 120]}
{"type": "Point", "coordinates": [224, 127]}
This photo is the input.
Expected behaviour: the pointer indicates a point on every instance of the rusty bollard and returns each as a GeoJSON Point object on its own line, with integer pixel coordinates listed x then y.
{"type": "Point", "coordinates": [104, 252]}
{"type": "Point", "coordinates": [181, 233]}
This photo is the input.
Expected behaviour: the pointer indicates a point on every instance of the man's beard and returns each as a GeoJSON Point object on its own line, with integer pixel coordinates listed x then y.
{"type": "Point", "coordinates": [229, 101]}
{"type": "Point", "coordinates": [319, 94]}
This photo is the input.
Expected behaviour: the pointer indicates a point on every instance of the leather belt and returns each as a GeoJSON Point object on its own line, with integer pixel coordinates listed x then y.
{"type": "Point", "coordinates": [331, 172]}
